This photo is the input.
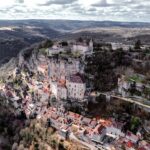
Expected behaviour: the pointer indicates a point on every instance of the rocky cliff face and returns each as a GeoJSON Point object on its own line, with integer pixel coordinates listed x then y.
{"type": "Point", "coordinates": [101, 65]}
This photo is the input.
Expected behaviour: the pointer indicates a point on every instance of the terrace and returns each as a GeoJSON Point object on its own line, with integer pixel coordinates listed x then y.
{"type": "Point", "coordinates": [136, 78]}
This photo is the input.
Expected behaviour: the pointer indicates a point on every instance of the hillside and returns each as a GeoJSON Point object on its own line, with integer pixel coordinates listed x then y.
{"type": "Point", "coordinates": [19, 34]}
{"type": "Point", "coordinates": [15, 38]}
{"type": "Point", "coordinates": [25, 90]}
{"type": "Point", "coordinates": [72, 25]}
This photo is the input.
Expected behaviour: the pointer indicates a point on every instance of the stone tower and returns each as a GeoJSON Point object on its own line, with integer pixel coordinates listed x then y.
{"type": "Point", "coordinates": [91, 46]}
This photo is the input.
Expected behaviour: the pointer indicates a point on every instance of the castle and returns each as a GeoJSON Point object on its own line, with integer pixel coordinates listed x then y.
{"type": "Point", "coordinates": [84, 48]}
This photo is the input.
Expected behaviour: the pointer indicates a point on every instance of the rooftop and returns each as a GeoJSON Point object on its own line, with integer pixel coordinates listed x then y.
{"type": "Point", "coordinates": [76, 78]}
{"type": "Point", "coordinates": [98, 129]}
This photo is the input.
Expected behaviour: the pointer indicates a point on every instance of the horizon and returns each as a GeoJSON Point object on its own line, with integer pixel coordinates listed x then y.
{"type": "Point", "coordinates": [32, 19]}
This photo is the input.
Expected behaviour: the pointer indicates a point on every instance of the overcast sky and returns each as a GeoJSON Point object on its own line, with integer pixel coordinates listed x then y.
{"type": "Point", "coordinates": [116, 10]}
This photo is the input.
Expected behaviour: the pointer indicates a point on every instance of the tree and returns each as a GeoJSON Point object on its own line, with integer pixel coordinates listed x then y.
{"type": "Point", "coordinates": [64, 43]}
{"type": "Point", "coordinates": [135, 122]}
{"type": "Point", "coordinates": [80, 39]}
{"type": "Point", "coordinates": [47, 44]}
{"type": "Point", "coordinates": [53, 143]}
{"type": "Point", "coordinates": [138, 44]}
{"type": "Point", "coordinates": [61, 146]}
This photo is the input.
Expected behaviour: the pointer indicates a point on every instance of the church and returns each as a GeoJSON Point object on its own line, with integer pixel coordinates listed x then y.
{"type": "Point", "coordinates": [83, 47]}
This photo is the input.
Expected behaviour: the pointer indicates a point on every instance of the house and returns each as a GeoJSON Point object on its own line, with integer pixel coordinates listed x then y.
{"type": "Point", "coordinates": [143, 145]}
{"type": "Point", "coordinates": [64, 131]}
{"type": "Point", "coordinates": [73, 87]}
{"type": "Point", "coordinates": [29, 109]}
{"type": "Point", "coordinates": [98, 134]}
{"type": "Point", "coordinates": [135, 82]}
{"type": "Point", "coordinates": [53, 119]}
{"type": "Point", "coordinates": [116, 46]}
{"type": "Point", "coordinates": [54, 88]}
{"type": "Point", "coordinates": [55, 49]}
{"type": "Point", "coordinates": [131, 137]}
{"type": "Point", "coordinates": [86, 121]}
{"type": "Point", "coordinates": [123, 86]}
{"type": "Point", "coordinates": [59, 90]}
{"type": "Point", "coordinates": [93, 124]}
{"type": "Point", "coordinates": [62, 92]}
{"type": "Point", "coordinates": [76, 118]}
{"type": "Point", "coordinates": [76, 86]}
{"type": "Point", "coordinates": [115, 130]}
{"type": "Point", "coordinates": [129, 146]}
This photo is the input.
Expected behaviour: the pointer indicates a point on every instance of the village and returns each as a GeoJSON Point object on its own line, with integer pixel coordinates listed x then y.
{"type": "Point", "coordinates": [42, 87]}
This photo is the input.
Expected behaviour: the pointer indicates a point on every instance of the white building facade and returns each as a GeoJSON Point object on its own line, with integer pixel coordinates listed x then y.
{"type": "Point", "coordinates": [76, 87]}
{"type": "Point", "coordinates": [62, 92]}
{"type": "Point", "coordinates": [83, 48]}
{"type": "Point", "coordinates": [59, 91]}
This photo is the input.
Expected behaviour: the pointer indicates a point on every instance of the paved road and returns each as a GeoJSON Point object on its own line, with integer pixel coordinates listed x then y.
{"type": "Point", "coordinates": [132, 101]}
{"type": "Point", "coordinates": [129, 100]}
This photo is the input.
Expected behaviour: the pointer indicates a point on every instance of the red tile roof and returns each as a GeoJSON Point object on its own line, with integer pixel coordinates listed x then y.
{"type": "Point", "coordinates": [93, 122]}
{"type": "Point", "coordinates": [98, 129]}
{"type": "Point", "coordinates": [54, 116]}
{"type": "Point", "coordinates": [141, 148]}
{"type": "Point", "coordinates": [129, 144]}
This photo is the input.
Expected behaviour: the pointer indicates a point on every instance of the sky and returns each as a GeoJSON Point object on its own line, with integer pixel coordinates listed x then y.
{"type": "Point", "coordinates": [113, 10]}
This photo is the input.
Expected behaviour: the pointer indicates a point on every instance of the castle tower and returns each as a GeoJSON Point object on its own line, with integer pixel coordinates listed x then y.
{"type": "Point", "coordinates": [91, 46]}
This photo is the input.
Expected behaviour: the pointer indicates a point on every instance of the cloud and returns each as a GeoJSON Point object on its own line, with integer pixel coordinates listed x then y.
{"type": "Point", "coordinates": [117, 10]}
{"type": "Point", "coordinates": [58, 2]}
{"type": "Point", "coordinates": [92, 9]}
{"type": "Point", "coordinates": [101, 3]}
{"type": "Point", "coordinates": [20, 1]}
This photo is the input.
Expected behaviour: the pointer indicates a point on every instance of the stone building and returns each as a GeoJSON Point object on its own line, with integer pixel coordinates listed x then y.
{"type": "Point", "coordinates": [60, 68]}
{"type": "Point", "coordinates": [83, 47]}
{"type": "Point", "coordinates": [76, 86]}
